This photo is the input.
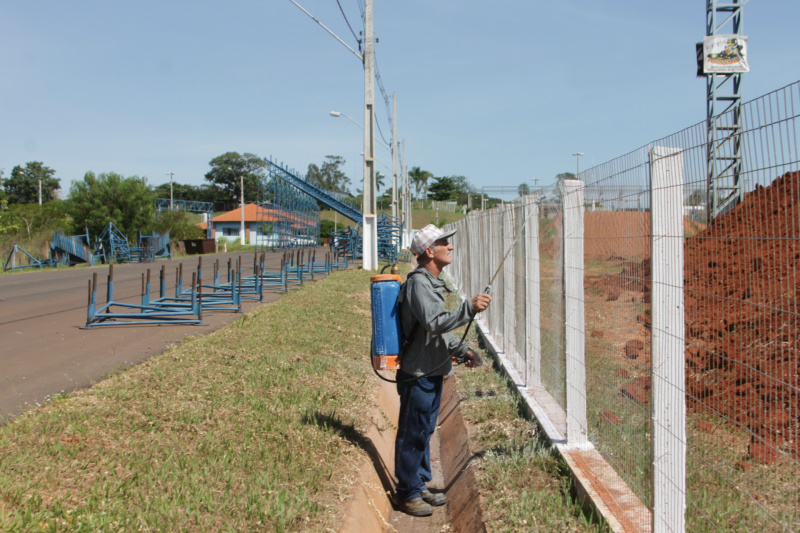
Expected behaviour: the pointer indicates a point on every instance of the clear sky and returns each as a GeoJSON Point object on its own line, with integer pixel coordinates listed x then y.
{"type": "Point", "coordinates": [499, 92]}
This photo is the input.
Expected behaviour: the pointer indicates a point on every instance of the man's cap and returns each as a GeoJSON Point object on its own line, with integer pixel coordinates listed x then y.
{"type": "Point", "coordinates": [427, 236]}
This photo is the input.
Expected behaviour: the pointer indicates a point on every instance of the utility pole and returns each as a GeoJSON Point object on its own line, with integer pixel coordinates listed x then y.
{"type": "Point", "coordinates": [370, 222]}
{"type": "Point", "coordinates": [395, 210]}
{"type": "Point", "coordinates": [40, 192]}
{"type": "Point", "coordinates": [241, 202]}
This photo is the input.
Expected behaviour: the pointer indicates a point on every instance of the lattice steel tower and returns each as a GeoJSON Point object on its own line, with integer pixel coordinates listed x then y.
{"type": "Point", "coordinates": [724, 98]}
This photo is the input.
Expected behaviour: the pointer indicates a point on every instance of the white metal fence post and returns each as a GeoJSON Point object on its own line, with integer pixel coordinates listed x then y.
{"type": "Point", "coordinates": [667, 341]}
{"type": "Point", "coordinates": [575, 342]}
{"type": "Point", "coordinates": [508, 325]}
{"type": "Point", "coordinates": [533, 309]}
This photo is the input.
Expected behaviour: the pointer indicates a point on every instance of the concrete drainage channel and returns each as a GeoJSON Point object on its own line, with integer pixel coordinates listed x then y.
{"type": "Point", "coordinates": [370, 507]}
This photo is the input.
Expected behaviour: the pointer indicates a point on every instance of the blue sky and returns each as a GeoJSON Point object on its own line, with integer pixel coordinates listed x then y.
{"type": "Point", "coordinates": [499, 92]}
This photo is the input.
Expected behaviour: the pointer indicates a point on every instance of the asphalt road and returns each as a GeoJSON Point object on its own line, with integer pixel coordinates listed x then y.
{"type": "Point", "coordinates": [45, 350]}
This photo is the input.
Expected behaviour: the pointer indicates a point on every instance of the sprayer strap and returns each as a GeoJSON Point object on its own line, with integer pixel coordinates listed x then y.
{"type": "Point", "coordinates": [407, 340]}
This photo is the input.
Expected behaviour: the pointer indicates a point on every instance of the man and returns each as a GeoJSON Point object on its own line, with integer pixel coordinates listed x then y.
{"type": "Point", "coordinates": [424, 361]}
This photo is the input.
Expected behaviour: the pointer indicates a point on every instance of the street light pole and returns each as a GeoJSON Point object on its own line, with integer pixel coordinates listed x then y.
{"type": "Point", "coordinates": [408, 203]}
{"type": "Point", "coordinates": [578, 159]}
{"type": "Point", "coordinates": [370, 222]}
{"type": "Point", "coordinates": [170, 174]}
{"type": "Point", "coordinates": [535, 181]}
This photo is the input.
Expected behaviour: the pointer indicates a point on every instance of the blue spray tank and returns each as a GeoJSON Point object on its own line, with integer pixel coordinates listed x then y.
{"type": "Point", "coordinates": [386, 332]}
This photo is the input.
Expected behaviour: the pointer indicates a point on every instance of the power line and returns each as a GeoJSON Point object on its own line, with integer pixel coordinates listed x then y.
{"type": "Point", "coordinates": [349, 26]}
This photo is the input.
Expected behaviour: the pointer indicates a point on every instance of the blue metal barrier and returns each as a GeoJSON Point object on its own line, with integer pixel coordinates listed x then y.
{"type": "Point", "coordinates": [145, 313]}
{"type": "Point", "coordinates": [72, 250]}
{"type": "Point", "coordinates": [389, 233]}
{"type": "Point", "coordinates": [114, 244]}
{"type": "Point", "coordinates": [33, 262]}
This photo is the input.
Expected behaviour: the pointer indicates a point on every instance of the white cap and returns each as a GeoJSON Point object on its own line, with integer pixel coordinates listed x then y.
{"type": "Point", "coordinates": [425, 237]}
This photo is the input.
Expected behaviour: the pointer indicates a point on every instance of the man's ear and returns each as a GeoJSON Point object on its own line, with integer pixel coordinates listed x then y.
{"type": "Point", "coordinates": [429, 252]}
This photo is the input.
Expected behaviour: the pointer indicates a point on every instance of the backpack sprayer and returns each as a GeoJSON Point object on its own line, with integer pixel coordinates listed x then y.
{"type": "Point", "coordinates": [387, 335]}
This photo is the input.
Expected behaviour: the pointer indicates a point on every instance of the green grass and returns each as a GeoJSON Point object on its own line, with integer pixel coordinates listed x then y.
{"type": "Point", "coordinates": [524, 484]}
{"type": "Point", "coordinates": [248, 428]}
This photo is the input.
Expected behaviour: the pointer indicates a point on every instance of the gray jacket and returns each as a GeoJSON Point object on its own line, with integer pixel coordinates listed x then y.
{"type": "Point", "coordinates": [422, 301]}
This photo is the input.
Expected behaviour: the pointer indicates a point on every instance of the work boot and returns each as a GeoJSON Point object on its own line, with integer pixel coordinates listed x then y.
{"type": "Point", "coordinates": [433, 498]}
{"type": "Point", "coordinates": [416, 507]}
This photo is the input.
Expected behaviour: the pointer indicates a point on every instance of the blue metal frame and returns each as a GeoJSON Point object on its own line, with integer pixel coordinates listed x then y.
{"type": "Point", "coordinates": [315, 192]}
{"type": "Point", "coordinates": [33, 262]}
{"type": "Point", "coordinates": [72, 250]}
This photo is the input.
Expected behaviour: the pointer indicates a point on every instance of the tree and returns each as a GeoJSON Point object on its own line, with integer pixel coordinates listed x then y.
{"type": "Point", "coordinates": [523, 189]}
{"type": "Point", "coordinates": [326, 228]}
{"type": "Point", "coordinates": [330, 176]}
{"type": "Point", "coordinates": [22, 187]}
{"type": "Point", "coordinates": [36, 218]}
{"type": "Point", "coordinates": [3, 197]}
{"type": "Point", "coordinates": [192, 193]}
{"type": "Point", "coordinates": [565, 176]}
{"type": "Point", "coordinates": [697, 198]}
{"type": "Point", "coordinates": [228, 169]}
{"type": "Point", "coordinates": [420, 179]}
{"type": "Point", "coordinates": [384, 201]}
{"type": "Point", "coordinates": [444, 189]}
{"type": "Point", "coordinates": [100, 199]}
{"type": "Point", "coordinates": [451, 189]}
{"type": "Point", "coordinates": [179, 225]}
{"type": "Point", "coordinates": [380, 180]}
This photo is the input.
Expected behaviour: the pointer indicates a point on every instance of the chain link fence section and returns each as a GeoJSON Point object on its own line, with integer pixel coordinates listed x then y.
{"type": "Point", "coordinates": [675, 353]}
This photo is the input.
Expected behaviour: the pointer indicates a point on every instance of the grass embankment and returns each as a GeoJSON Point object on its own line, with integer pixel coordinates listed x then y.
{"type": "Point", "coordinates": [524, 484]}
{"type": "Point", "coordinates": [248, 428]}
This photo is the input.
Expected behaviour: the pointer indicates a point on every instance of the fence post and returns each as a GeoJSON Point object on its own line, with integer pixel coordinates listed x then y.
{"type": "Point", "coordinates": [520, 283]}
{"type": "Point", "coordinates": [494, 229]}
{"type": "Point", "coordinates": [667, 340]}
{"type": "Point", "coordinates": [572, 191]}
{"type": "Point", "coordinates": [533, 345]}
{"type": "Point", "coordinates": [507, 319]}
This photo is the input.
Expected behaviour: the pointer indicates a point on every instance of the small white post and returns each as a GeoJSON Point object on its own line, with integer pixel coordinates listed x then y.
{"type": "Point", "coordinates": [241, 204]}
{"type": "Point", "coordinates": [575, 341]}
{"type": "Point", "coordinates": [667, 341]}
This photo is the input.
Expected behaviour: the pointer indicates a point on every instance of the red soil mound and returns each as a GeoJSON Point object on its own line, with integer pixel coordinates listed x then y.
{"type": "Point", "coordinates": [741, 286]}
{"type": "Point", "coordinates": [742, 318]}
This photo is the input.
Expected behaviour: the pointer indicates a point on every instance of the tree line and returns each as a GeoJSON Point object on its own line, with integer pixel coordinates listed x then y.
{"type": "Point", "coordinates": [128, 201]}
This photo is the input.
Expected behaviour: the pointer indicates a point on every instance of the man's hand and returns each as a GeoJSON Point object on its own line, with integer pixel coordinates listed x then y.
{"type": "Point", "coordinates": [481, 302]}
{"type": "Point", "coordinates": [472, 359]}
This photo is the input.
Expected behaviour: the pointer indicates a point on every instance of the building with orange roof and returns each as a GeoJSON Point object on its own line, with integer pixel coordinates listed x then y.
{"type": "Point", "coordinates": [265, 225]}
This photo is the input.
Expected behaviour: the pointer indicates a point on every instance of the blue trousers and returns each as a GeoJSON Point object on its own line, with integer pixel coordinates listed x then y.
{"type": "Point", "coordinates": [419, 410]}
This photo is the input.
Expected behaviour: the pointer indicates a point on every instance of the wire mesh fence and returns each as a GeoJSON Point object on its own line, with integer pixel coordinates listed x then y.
{"type": "Point", "coordinates": [669, 341]}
